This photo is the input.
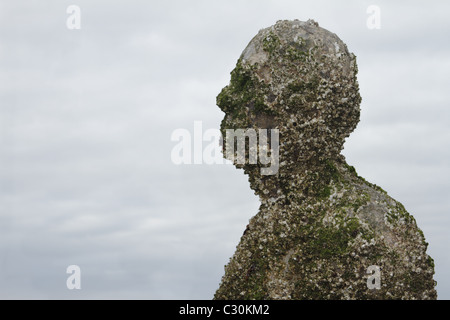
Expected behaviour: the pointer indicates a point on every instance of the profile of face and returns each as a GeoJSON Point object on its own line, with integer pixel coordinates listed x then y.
{"type": "Point", "coordinates": [299, 79]}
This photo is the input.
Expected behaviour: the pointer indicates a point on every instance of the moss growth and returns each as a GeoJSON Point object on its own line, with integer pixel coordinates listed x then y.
{"type": "Point", "coordinates": [430, 262]}
{"type": "Point", "coordinates": [331, 242]}
{"type": "Point", "coordinates": [363, 199]}
{"type": "Point", "coordinates": [271, 43]}
{"type": "Point", "coordinates": [324, 179]}
{"type": "Point", "coordinates": [397, 213]}
{"type": "Point", "coordinates": [324, 193]}
{"type": "Point", "coordinates": [295, 54]}
{"type": "Point", "coordinates": [332, 171]}
{"type": "Point", "coordinates": [376, 187]}
{"type": "Point", "coordinates": [244, 91]}
{"type": "Point", "coordinates": [326, 241]}
{"type": "Point", "coordinates": [255, 276]}
{"type": "Point", "coordinates": [351, 169]}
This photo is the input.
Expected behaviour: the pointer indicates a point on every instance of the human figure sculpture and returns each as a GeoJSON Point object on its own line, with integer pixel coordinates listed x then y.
{"type": "Point", "coordinates": [322, 232]}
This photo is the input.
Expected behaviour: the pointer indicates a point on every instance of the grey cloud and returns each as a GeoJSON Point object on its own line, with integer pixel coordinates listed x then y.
{"type": "Point", "coordinates": [86, 118]}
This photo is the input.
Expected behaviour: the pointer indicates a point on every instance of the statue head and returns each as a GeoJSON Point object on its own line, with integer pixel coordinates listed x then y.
{"type": "Point", "coordinates": [299, 79]}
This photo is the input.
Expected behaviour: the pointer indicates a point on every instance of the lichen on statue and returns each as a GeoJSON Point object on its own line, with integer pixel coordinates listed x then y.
{"type": "Point", "coordinates": [301, 80]}
{"type": "Point", "coordinates": [320, 225]}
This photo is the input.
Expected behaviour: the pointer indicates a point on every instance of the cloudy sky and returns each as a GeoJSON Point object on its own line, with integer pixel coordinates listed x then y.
{"type": "Point", "coordinates": [86, 117]}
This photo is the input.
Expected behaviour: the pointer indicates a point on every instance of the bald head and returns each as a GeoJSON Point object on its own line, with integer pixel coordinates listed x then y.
{"type": "Point", "coordinates": [300, 79]}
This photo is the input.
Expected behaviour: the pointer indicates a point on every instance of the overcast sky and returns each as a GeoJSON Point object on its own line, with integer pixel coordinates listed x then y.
{"type": "Point", "coordinates": [86, 116]}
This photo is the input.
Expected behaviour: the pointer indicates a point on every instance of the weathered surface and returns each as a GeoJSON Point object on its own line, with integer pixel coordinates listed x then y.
{"type": "Point", "coordinates": [320, 225]}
